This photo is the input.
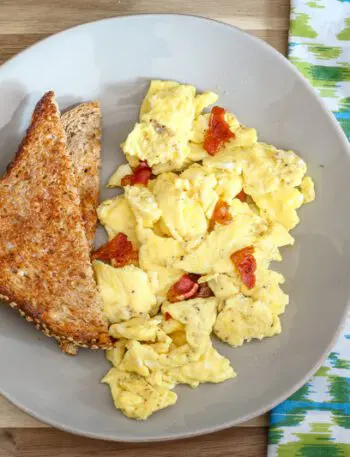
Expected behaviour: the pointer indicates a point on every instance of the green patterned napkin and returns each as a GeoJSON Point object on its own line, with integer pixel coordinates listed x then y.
{"type": "Point", "coordinates": [315, 421]}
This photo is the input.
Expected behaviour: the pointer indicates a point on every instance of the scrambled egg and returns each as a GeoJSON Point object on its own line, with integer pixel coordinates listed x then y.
{"type": "Point", "coordinates": [171, 221]}
{"type": "Point", "coordinates": [143, 205]}
{"type": "Point", "coordinates": [144, 373]}
{"type": "Point", "coordinates": [121, 172]}
{"type": "Point", "coordinates": [188, 220]}
{"type": "Point", "coordinates": [117, 217]}
{"type": "Point", "coordinates": [126, 291]}
{"type": "Point", "coordinates": [166, 117]}
{"type": "Point", "coordinates": [136, 397]}
{"type": "Point", "coordinates": [157, 256]}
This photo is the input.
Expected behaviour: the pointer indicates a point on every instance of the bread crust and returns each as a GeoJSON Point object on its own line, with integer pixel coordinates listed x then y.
{"type": "Point", "coordinates": [45, 268]}
{"type": "Point", "coordinates": [82, 126]}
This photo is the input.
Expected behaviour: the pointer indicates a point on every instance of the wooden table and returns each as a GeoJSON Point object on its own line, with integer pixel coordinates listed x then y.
{"type": "Point", "coordinates": [22, 23]}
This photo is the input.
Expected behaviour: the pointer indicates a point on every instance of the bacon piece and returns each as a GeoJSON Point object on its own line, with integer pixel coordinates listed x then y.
{"type": "Point", "coordinates": [141, 175]}
{"type": "Point", "coordinates": [187, 287]}
{"type": "Point", "coordinates": [221, 215]}
{"type": "Point", "coordinates": [183, 289]}
{"type": "Point", "coordinates": [167, 316]}
{"type": "Point", "coordinates": [194, 276]}
{"type": "Point", "coordinates": [204, 291]}
{"type": "Point", "coordinates": [218, 132]}
{"type": "Point", "coordinates": [242, 196]}
{"type": "Point", "coordinates": [128, 180]}
{"type": "Point", "coordinates": [245, 263]}
{"type": "Point", "coordinates": [119, 252]}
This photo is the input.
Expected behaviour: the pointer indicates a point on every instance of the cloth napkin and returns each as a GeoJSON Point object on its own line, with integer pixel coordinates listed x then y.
{"type": "Point", "coordinates": [315, 421]}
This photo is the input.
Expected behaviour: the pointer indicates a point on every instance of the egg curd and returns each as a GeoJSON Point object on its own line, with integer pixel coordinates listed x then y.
{"type": "Point", "coordinates": [162, 342]}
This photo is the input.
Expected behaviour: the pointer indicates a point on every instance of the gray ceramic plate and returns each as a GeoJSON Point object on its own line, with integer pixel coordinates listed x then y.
{"type": "Point", "coordinates": [113, 60]}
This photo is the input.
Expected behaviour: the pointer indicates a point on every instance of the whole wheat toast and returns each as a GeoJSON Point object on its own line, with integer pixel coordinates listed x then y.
{"type": "Point", "coordinates": [82, 125]}
{"type": "Point", "coordinates": [45, 268]}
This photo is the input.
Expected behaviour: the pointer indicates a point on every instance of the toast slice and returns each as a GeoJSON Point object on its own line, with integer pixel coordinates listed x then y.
{"type": "Point", "coordinates": [82, 125]}
{"type": "Point", "coordinates": [45, 268]}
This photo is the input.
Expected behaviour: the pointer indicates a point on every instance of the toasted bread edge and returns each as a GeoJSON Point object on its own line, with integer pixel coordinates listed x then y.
{"type": "Point", "coordinates": [46, 107]}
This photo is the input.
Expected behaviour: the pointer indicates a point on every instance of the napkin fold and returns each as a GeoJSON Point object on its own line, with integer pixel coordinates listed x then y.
{"type": "Point", "coordinates": [315, 421]}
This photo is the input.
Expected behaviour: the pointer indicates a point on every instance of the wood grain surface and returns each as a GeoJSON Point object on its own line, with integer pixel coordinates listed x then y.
{"type": "Point", "coordinates": [23, 23]}
{"type": "Point", "coordinates": [53, 443]}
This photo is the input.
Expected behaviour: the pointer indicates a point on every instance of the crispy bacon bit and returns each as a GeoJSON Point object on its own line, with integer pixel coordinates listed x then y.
{"type": "Point", "coordinates": [128, 180]}
{"type": "Point", "coordinates": [221, 215]}
{"type": "Point", "coordinates": [194, 276]}
{"type": "Point", "coordinates": [242, 196]}
{"type": "Point", "coordinates": [167, 316]}
{"type": "Point", "coordinates": [141, 175]}
{"type": "Point", "coordinates": [187, 287]}
{"type": "Point", "coordinates": [119, 252]}
{"type": "Point", "coordinates": [219, 131]}
{"type": "Point", "coordinates": [245, 263]}
{"type": "Point", "coordinates": [204, 291]}
{"type": "Point", "coordinates": [183, 289]}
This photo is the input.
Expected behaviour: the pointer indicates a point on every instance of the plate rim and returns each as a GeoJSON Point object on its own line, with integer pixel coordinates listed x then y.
{"type": "Point", "coordinates": [234, 422]}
